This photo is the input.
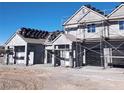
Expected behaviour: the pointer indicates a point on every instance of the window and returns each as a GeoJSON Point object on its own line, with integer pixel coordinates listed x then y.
{"type": "Point", "coordinates": [63, 46]}
{"type": "Point", "coordinates": [91, 28]}
{"type": "Point", "coordinates": [20, 48]}
{"type": "Point", "coordinates": [121, 25]}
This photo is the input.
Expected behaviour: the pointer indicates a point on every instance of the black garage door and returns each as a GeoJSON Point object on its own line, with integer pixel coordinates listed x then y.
{"type": "Point", "coordinates": [93, 58]}
{"type": "Point", "coordinates": [118, 58]}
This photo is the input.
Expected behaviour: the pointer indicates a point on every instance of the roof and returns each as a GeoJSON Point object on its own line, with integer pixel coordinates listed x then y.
{"type": "Point", "coordinates": [47, 42]}
{"type": "Point", "coordinates": [70, 37]}
{"type": "Point", "coordinates": [115, 9]}
{"type": "Point", "coordinates": [32, 40]}
{"type": "Point", "coordinates": [73, 15]}
{"type": "Point", "coordinates": [84, 15]}
{"type": "Point", "coordinates": [95, 12]}
{"type": "Point", "coordinates": [2, 47]}
{"type": "Point", "coordinates": [10, 39]}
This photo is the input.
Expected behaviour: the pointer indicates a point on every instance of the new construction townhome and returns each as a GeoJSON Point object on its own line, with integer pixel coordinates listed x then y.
{"type": "Point", "coordinates": [90, 38]}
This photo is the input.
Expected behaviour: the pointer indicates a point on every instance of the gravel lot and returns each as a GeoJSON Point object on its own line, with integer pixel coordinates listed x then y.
{"type": "Point", "coordinates": [38, 77]}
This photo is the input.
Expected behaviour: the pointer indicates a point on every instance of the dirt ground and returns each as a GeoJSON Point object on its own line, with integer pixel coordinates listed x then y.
{"type": "Point", "coordinates": [45, 77]}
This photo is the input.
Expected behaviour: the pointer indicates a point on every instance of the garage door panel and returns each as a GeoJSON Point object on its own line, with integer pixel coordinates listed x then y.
{"type": "Point", "coordinates": [93, 58]}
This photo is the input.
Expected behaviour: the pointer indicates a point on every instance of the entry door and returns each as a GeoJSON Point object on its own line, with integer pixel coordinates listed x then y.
{"type": "Point", "coordinates": [31, 58]}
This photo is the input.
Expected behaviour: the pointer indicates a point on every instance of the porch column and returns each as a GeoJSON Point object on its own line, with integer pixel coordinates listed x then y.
{"type": "Point", "coordinates": [70, 55]}
{"type": "Point", "coordinates": [74, 57]}
{"type": "Point", "coordinates": [45, 60]}
{"type": "Point", "coordinates": [107, 57]}
{"type": "Point", "coordinates": [7, 58]}
{"type": "Point", "coordinates": [84, 56]}
{"type": "Point", "coordinates": [53, 56]}
{"type": "Point", "coordinates": [14, 55]}
{"type": "Point", "coordinates": [26, 55]}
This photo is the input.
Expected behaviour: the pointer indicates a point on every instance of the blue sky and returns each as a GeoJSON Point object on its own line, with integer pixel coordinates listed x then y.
{"type": "Point", "coordinates": [44, 16]}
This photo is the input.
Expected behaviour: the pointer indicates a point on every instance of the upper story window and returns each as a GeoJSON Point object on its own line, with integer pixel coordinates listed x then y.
{"type": "Point", "coordinates": [121, 25]}
{"type": "Point", "coordinates": [91, 28]}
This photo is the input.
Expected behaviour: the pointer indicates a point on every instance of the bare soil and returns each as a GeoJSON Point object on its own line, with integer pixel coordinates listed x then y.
{"type": "Point", "coordinates": [42, 77]}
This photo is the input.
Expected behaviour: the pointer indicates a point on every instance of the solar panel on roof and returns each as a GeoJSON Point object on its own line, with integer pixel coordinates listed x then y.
{"type": "Point", "coordinates": [36, 35]}
{"type": "Point", "coordinates": [43, 34]}
{"type": "Point", "coordinates": [54, 35]}
{"type": "Point", "coordinates": [33, 33]}
{"type": "Point", "coordinates": [40, 34]}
